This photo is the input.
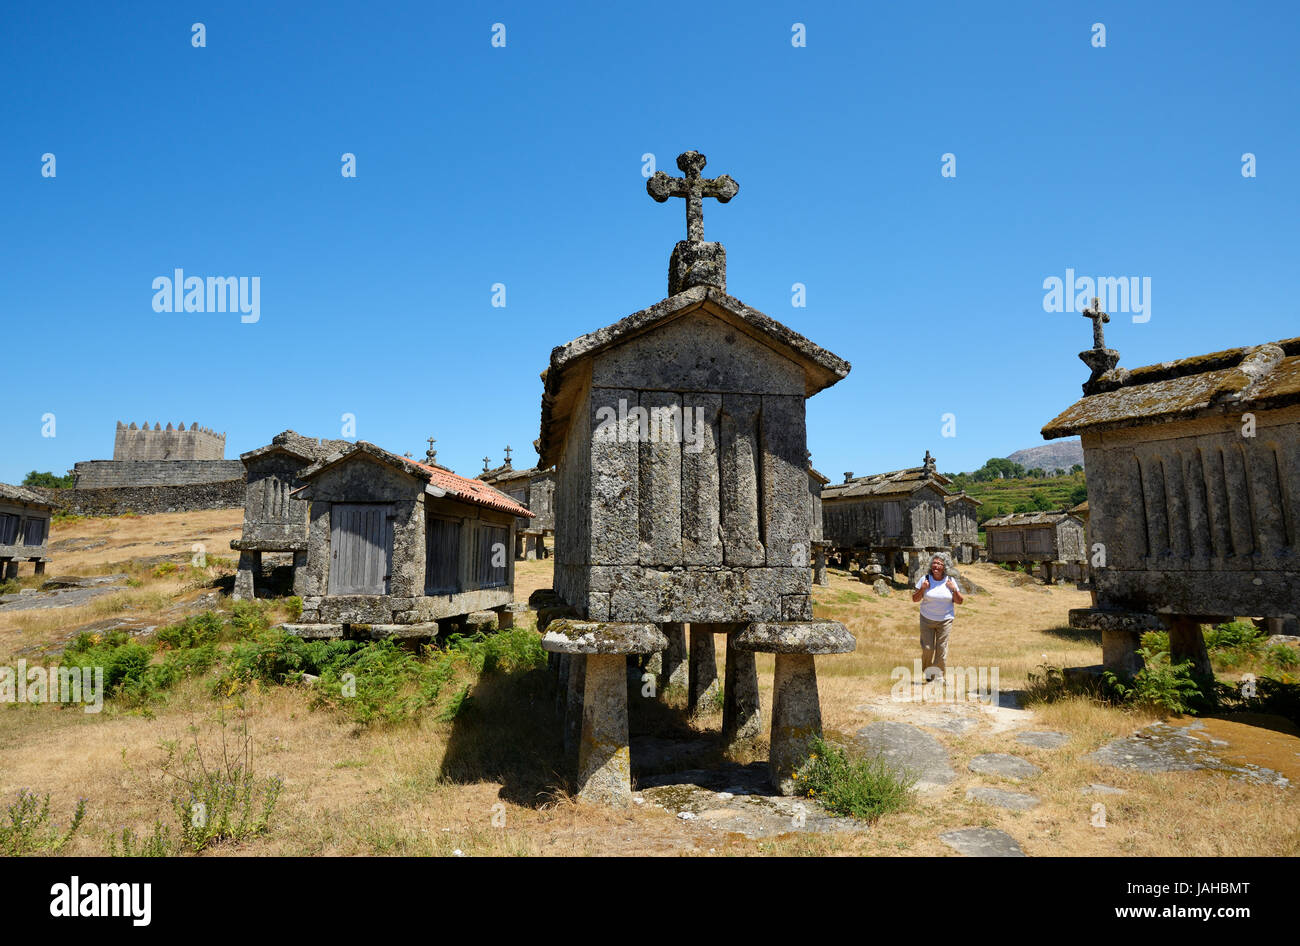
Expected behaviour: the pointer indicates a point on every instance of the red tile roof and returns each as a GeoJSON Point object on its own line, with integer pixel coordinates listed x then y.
{"type": "Point", "coordinates": [474, 491]}
{"type": "Point", "coordinates": [459, 487]}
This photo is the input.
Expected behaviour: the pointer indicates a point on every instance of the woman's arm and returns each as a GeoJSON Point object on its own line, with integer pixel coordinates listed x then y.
{"type": "Point", "coordinates": [919, 593]}
{"type": "Point", "coordinates": [956, 592]}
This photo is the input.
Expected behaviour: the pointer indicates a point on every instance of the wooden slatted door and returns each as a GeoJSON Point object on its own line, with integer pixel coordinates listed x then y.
{"type": "Point", "coordinates": [361, 548]}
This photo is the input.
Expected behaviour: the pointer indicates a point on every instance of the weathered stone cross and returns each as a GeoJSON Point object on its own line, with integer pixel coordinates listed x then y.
{"type": "Point", "coordinates": [485, 464]}
{"type": "Point", "coordinates": [507, 454]}
{"type": "Point", "coordinates": [431, 454]}
{"type": "Point", "coordinates": [1098, 318]}
{"type": "Point", "coordinates": [694, 188]}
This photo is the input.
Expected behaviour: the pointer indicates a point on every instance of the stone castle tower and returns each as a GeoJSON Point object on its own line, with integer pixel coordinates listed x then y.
{"type": "Point", "coordinates": [172, 443]}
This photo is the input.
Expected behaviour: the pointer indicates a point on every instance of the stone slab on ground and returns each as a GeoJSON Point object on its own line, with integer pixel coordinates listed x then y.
{"type": "Point", "coordinates": [1097, 788]}
{"type": "Point", "coordinates": [1014, 801]}
{"type": "Point", "coordinates": [738, 798]}
{"type": "Point", "coordinates": [982, 842]}
{"type": "Point", "coordinates": [1003, 764]}
{"type": "Point", "coordinates": [63, 598]}
{"type": "Point", "coordinates": [1161, 747]}
{"type": "Point", "coordinates": [908, 749]}
{"type": "Point", "coordinates": [1043, 739]}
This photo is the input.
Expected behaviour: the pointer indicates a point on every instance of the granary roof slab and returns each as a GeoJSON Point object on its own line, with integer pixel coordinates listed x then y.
{"type": "Point", "coordinates": [20, 494]}
{"type": "Point", "coordinates": [1040, 518]}
{"type": "Point", "coordinates": [1252, 378]}
{"type": "Point", "coordinates": [820, 367]}
{"type": "Point", "coordinates": [443, 480]}
{"type": "Point", "coordinates": [295, 444]}
{"type": "Point", "coordinates": [895, 483]}
{"type": "Point", "coordinates": [955, 497]}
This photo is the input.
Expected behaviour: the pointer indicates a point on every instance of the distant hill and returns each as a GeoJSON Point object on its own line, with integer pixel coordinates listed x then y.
{"type": "Point", "coordinates": [1058, 455]}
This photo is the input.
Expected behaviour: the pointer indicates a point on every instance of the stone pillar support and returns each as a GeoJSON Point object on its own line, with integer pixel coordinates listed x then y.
{"type": "Point", "coordinates": [742, 718]}
{"type": "Point", "coordinates": [250, 566]}
{"type": "Point", "coordinates": [702, 680]}
{"type": "Point", "coordinates": [604, 770]}
{"type": "Point", "coordinates": [674, 671]}
{"type": "Point", "coordinates": [11, 568]}
{"type": "Point", "coordinates": [1186, 642]}
{"type": "Point", "coordinates": [300, 573]}
{"type": "Point", "coordinates": [819, 564]}
{"type": "Point", "coordinates": [796, 707]}
{"type": "Point", "coordinates": [38, 568]}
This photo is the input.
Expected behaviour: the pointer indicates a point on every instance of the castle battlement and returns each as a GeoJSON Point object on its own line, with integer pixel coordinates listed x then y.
{"type": "Point", "coordinates": [171, 443]}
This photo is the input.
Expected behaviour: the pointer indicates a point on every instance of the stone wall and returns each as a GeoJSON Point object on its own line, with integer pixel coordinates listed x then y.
{"type": "Point", "coordinates": [103, 474]}
{"type": "Point", "coordinates": [147, 499]}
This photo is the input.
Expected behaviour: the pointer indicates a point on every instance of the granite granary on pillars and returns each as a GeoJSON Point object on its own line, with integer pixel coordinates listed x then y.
{"type": "Point", "coordinates": [24, 530]}
{"type": "Point", "coordinates": [397, 546]}
{"type": "Point", "coordinates": [534, 488]}
{"type": "Point", "coordinates": [1054, 540]}
{"type": "Point", "coordinates": [1193, 493]}
{"type": "Point", "coordinates": [682, 499]}
{"type": "Point", "coordinates": [879, 518]}
{"type": "Point", "coordinates": [274, 520]}
{"type": "Point", "coordinates": [963, 532]}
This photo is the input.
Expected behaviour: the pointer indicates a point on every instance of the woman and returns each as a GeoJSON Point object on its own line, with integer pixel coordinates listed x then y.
{"type": "Point", "coordinates": [938, 594]}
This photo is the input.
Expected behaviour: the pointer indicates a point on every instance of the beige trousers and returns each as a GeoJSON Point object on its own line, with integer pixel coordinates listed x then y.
{"type": "Point", "coordinates": [934, 645]}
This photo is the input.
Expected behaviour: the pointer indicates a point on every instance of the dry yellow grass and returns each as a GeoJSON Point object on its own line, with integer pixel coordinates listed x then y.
{"type": "Point", "coordinates": [434, 788]}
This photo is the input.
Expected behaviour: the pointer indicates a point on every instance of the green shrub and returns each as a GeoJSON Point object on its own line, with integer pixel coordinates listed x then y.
{"type": "Point", "coordinates": [862, 788]}
{"type": "Point", "coordinates": [158, 844]}
{"type": "Point", "coordinates": [10, 586]}
{"type": "Point", "coordinates": [1282, 657]}
{"type": "Point", "coordinates": [1161, 684]}
{"type": "Point", "coordinates": [248, 618]}
{"type": "Point", "coordinates": [29, 830]}
{"type": "Point", "coordinates": [194, 631]}
{"type": "Point", "coordinates": [163, 569]}
{"type": "Point", "coordinates": [124, 660]}
{"type": "Point", "coordinates": [294, 605]}
{"type": "Point", "coordinates": [1234, 634]}
{"type": "Point", "coordinates": [1156, 641]}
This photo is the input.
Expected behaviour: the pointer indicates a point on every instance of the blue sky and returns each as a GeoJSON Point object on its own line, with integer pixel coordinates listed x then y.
{"type": "Point", "coordinates": [522, 165]}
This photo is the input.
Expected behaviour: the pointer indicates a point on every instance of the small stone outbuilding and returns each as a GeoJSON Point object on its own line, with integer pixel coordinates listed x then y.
{"type": "Point", "coordinates": [683, 498]}
{"type": "Point", "coordinates": [24, 530]}
{"type": "Point", "coordinates": [397, 546]}
{"type": "Point", "coordinates": [1193, 491]}
{"type": "Point", "coordinates": [275, 520]}
{"type": "Point", "coordinates": [535, 489]}
{"type": "Point", "coordinates": [963, 532]}
{"type": "Point", "coordinates": [879, 518]}
{"type": "Point", "coordinates": [1053, 540]}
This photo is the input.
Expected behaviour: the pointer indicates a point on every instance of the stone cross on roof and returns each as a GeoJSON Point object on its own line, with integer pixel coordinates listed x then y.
{"type": "Point", "coordinates": [694, 188]}
{"type": "Point", "coordinates": [485, 464]}
{"type": "Point", "coordinates": [431, 455]}
{"type": "Point", "coordinates": [1098, 319]}
{"type": "Point", "coordinates": [928, 463]}
{"type": "Point", "coordinates": [507, 454]}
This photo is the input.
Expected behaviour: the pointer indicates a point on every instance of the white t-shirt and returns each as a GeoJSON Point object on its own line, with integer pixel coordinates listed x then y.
{"type": "Point", "coordinates": [937, 603]}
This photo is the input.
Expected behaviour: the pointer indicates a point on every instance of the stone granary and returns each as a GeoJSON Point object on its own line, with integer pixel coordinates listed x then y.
{"type": "Point", "coordinates": [144, 456]}
{"type": "Point", "coordinates": [24, 530]}
{"type": "Point", "coordinates": [396, 546]}
{"type": "Point", "coordinates": [534, 488]}
{"type": "Point", "coordinates": [274, 521]}
{"type": "Point", "coordinates": [878, 518]}
{"type": "Point", "coordinates": [963, 532]}
{"type": "Point", "coordinates": [1193, 492]}
{"type": "Point", "coordinates": [682, 498]}
{"type": "Point", "coordinates": [1054, 540]}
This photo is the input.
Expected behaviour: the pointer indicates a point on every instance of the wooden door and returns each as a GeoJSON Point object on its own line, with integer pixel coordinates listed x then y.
{"type": "Point", "coordinates": [361, 548]}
